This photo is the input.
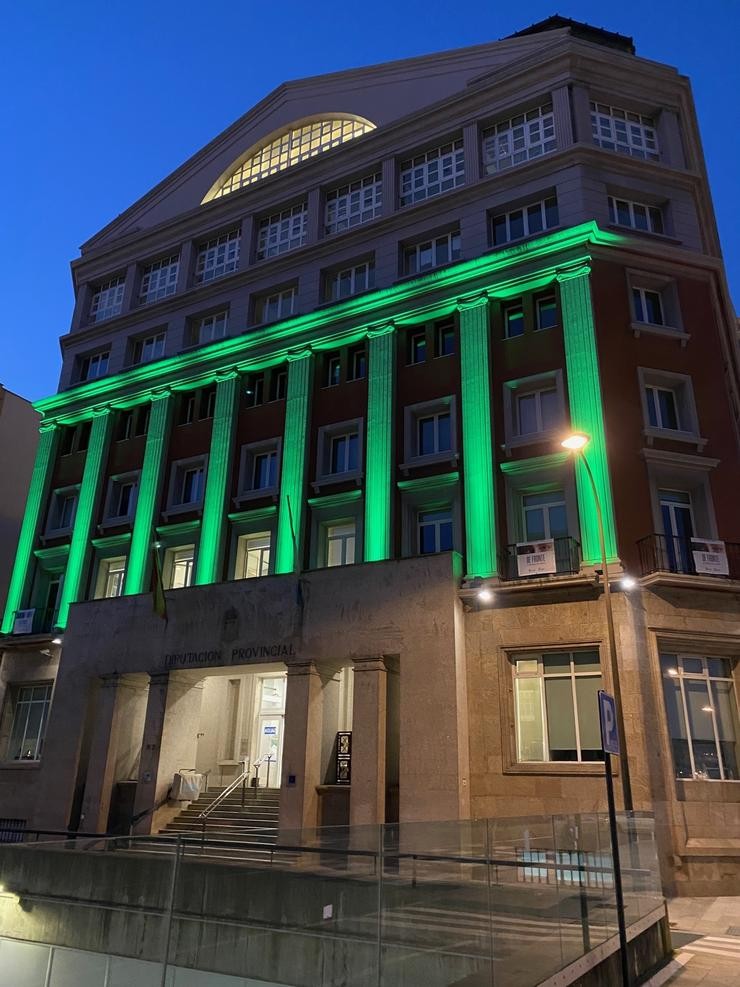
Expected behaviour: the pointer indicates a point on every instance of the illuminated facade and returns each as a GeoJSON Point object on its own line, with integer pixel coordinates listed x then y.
{"type": "Point", "coordinates": [323, 371]}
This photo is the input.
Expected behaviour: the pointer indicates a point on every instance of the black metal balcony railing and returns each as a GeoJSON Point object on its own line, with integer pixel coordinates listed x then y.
{"type": "Point", "coordinates": [567, 560]}
{"type": "Point", "coordinates": [662, 553]}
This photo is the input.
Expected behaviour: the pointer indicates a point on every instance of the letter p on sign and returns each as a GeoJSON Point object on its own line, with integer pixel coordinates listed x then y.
{"type": "Point", "coordinates": [608, 720]}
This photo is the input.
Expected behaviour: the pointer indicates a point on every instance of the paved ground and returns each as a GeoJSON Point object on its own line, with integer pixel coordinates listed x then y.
{"type": "Point", "coordinates": [706, 936]}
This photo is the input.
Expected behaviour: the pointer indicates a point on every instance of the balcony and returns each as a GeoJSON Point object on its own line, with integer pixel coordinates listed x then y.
{"type": "Point", "coordinates": [703, 558]}
{"type": "Point", "coordinates": [38, 621]}
{"type": "Point", "coordinates": [546, 559]}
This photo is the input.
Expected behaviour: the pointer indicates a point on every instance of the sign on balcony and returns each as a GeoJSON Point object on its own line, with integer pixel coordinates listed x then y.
{"type": "Point", "coordinates": [536, 558]}
{"type": "Point", "coordinates": [23, 623]}
{"type": "Point", "coordinates": [710, 557]}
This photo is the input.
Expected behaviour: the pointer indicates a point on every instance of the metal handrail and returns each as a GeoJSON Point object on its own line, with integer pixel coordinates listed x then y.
{"type": "Point", "coordinates": [227, 791]}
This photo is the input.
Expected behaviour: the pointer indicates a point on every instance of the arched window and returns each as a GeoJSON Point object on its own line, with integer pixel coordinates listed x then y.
{"type": "Point", "coordinates": [287, 147]}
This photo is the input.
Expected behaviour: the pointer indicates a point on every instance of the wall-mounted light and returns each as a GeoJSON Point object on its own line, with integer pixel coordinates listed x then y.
{"type": "Point", "coordinates": [485, 595]}
{"type": "Point", "coordinates": [628, 582]}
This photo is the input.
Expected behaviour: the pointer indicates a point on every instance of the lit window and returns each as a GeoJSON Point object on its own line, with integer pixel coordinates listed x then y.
{"type": "Point", "coordinates": [63, 509]}
{"type": "Point", "coordinates": [353, 204]}
{"type": "Point", "coordinates": [527, 221]}
{"type": "Point", "coordinates": [648, 306]}
{"type": "Point", "coordinates": [282, 231]}
{"type": "Point", "coordinates": [217, 257]}
{"type": "Point", "coordinates": [357, 364]}
{"type": "Point", "coordinates": [333, 371]}
{"type": "Point", "coordinates": [92, 367]}
{"type": "Point", "coordinates": [556, 706]}
{"type": "Point", "coordinates": [107, 300]}
{"type": "Point", "coordinates": [277, 305]}
{"type": "Point", "coordinates": [111, 577]}
{"type": "Point", "coordinates": [428, 254]}
{"type": "Point", "coordinates": [701, 708]}
{"type": "Point", "coordinates": [433, 434]}
{"type": "Point", "coordinates": [30, 711]}
{"type": "Point", "coordinates": [637, 215]}
{"type": "Point", "coordinates": [210, 328]}
{"type": "Point", "coordinates": [158, 280]}
{"type": "Point", "coordinates": [519, 139]}
{"type": "Point", "coordinates": [431, 173]}
{"type": "Point", "coordinates": [149, 348]}
{"type": "Point", "coordinates": [538, 411]}
{"type": "Point", "coordinates": [349, 281]}
{"type": "Point", "coordinates": [178, 567]}
{"type": "Point", "coordinates": [444, 339]}
{"type": "Point", "coordinates": [343, 453]}
{"type": "Point", "coordinates": [253, 556]}
{"type": "Point", "coordinates": [546, 312]}
{"type": "Point", "coordinates": [417, 346]}
{"type": "Point", "coordinates": [513, 321]}
{"type": "Point", "coordinates": [340, 544]}
{"type": "Point", "coordinates": [434, 529]}
{"type": "Point", "coordinates": [121, 498]}
{"type": "Point", "coordinates": [619, 130]}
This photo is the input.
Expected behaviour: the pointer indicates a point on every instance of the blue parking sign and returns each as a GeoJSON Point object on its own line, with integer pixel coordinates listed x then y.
{"type": "Point", "coordinates": [608, 720]}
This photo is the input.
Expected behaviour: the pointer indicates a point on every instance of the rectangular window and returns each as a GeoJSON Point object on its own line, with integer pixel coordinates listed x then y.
{"type": "Point", "coordinates": [538, 411]}
{"type": "Point", "coordinates": [207, 402]}
{"type": "Point", "coordinates": [662, 407]}
{"type": "Point", "coordinates": [545, 515]}
{"type": "Point", "coordinates": [702, 712]}
{"type": "Point", "coordinates": [353, 204]}
{"type": "Point", "coordinates": [546, 312]}
{"type": "Point", "coordinates": [92, 367]}
{"type": "Point", "coordinates": [264, 470]}
{"type": "Point", "coordinates": [648, 306]}
{"type": "Point", "coordinates": [253, 556]}
{"type": "Point", "coordinates": [278, 384]}
{"type": "Point", "coordinates": [30, 705]}
{"type": "Point", "coordinates": [620, 130]}
{"type": "Point", "coordinates": [74, 439]}
{"type": "Point", "coordinates": [63, 508]}
{"type": "Point", "coordinates": [513, 321]}
{"type": "Point", "coordinates": [433, 434]}
{"type": "Point", "coordinates": [210, 328]}
{"type": "Point", "coordinates": [428, 254]}
{"type": "Point", "coordinates": [188, 485]}
{"type": "Point", "coordinates": [519, 139]}
{"type": "Point", "coordinates": [277, 305]}
{"type": "Point", "coordinates": [217, 257]}
{"type": "Point", "coordinates": [431, 173]}
{"type": "Point", "coordinates": [111, 577]}
{"type": "Point", "coordinates": [159, 280]}
{"type": "Point", "coordinates": [254, 391]}
{"type": "Point", "coordinates": [260, 464]}
{"type": "Point", "coordinates": [121, 499]}
{"type": "Point", "coordinates": [526, 221]}
{"type": "Point", "coordinates": [349, 281]}
{"type": "Point", "coordinates": [357, 364]}
{"type": "Point", "coordinates": [417, 346]}
{"type": "Point", "coordinates": [434, 530]}
{"type": "Point", "coordinates": [333, 371]}
{"type": "Point", "coordinates": [343, 451]}
{"type": "Point", "coordinates": [340, 544]}
{"type": "Point", "coordinates": [107, 300]}
{"type": "Point", "coordinates": [149, 348]}
{"type": "Point", "coordinates": [178, 567]}
{"type": "Point", "coordinates": [282, 231]}
{"type": "Point", "coordinates": [636, 215]}
{"type": "Point", "coordinates": [444, 339]}
{"type": "Point", "coordinates": [555, 696]}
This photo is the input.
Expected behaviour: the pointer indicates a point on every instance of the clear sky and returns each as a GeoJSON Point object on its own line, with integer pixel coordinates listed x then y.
{"type": "Point", "coordinates": [101, 100]}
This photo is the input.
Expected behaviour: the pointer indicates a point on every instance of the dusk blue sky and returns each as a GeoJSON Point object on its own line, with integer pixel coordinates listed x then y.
{"type": "Point", "coordinates": [103, 100]}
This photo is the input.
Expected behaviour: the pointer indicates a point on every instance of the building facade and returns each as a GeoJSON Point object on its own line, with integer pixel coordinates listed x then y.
{"type": "Point", "coordinates": [19, 436]}
{"type": "Point", "coordinates": [319, 378]}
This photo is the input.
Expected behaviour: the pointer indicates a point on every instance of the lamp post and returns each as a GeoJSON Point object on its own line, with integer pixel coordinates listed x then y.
{"type": "Point", "coordinates": [576, 443]}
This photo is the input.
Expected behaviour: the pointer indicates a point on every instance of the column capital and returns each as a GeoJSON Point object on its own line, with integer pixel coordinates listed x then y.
{"type": "Point", "coordinates": [571, 273]}
{"type": "Point", "coordinates": [370, 663]}
{"type": "Point", "coordinates": [100, 410]}
{"type": "Point", "coordinates": [305, 667]}
{"type": "Point", "coordinates": [377, 329]}
{"type": "Point", "coordinates": [48, 426]}
{"type": "Point", "coordinates": [230, 373]}
{"type": "Point", "coordinates": [299, 354]}
{"type": "Point", "coordinates": [111, 680]}
{"type": "Point", "coordinates": [158, 678]}
{"type": "Point", "coordinates": [477, 300]}
{"type": "Point", "coordinates": [159, 393]}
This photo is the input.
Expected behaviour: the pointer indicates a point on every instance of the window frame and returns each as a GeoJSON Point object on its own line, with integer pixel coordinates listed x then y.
{"type": "Point", "coordinates": [453, 241]}
{"type": "Point", "coordinates": [170, 561]}
{"type": "Point", "coordinates": [242, 554]}
{"type": "Point", "coordinates": [413, 414]}
{"type": "Point", "coordinates": [610, 142]}
{"type": "Point", "coordinates": [13, 700]}
{"type": "Point", "coordinates": [327, 434]}
{"type": "Point", "coordinates": [682, 389]}
{"type": "Point", "coordinates": [103, 574]}
{"type": "Point", "coordinates": [178, 469]}
{"type": "Point", "coordinates": [155, 288]}
{"type": "Point", "coordinates": [332, 278]}
{"type": "Point", "coordinates": [231, 242]}
{"type": "Point", "coordinates": [353, 204]}
{"type": "Point", "coordinates": [284, 299]}
{"type": "Point", "coordinates": [133, 477]}
{"type": "Point", "coordinates": [518, 129]}
{"type": "Point", "coordinates": [520, 387]}
{"type": "Point", "coordinates": [432, 172]}
{"type": "Point", "coordinates": [86, 362]}
{"type": "Point", "coordinates": [111, 307]}
{"type": "Point", "coordinates": [614, 200]}
{"type": "Point", "coordinates": [72, 490]}
{"type": "Point", "coordinates": [198, 325]}
{"type": "Point", "coordinates": [247, 461]}
{"type": "Point", "coordinates": [543, 204]}
{"type": "Point", "coordinates": [281, 231]}
{"type": "Point", "coordinates": [158, 339]}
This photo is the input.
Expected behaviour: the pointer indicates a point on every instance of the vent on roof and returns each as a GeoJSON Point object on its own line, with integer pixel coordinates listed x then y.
{"type": "Point", "coordinates": [579, 29]}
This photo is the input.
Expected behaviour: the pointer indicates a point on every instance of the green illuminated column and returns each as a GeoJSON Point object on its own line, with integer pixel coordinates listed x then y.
{"type": "Point", "coordinates": [220, 458]}
{"type": "Point", "coordinates": [290, 510]}
{"type": "Point", "coordinates": [32, 520]}
{"type": "Point", "coordinates": [480, 516]}
{"type": "Point", "coordinates": [379, 467]}
{"type": "Point", "coordinates": [150, 486]}
{"type": "Point", "coordinates": [586, 411]}
{"type": "Point", "coordinates": [74, 577]}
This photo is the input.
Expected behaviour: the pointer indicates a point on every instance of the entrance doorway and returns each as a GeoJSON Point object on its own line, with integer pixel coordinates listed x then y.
{"type": "Point", "coordinates": [270, 724]}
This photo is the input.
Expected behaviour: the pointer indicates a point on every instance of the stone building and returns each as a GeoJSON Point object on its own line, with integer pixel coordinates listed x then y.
{"type": "Point", "coordinates": [19, 426]}
{"type": "Point", "coordinates": [319, 378]}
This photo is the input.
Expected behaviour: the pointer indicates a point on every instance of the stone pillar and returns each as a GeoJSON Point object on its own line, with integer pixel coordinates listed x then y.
{"type": "Point", "coordinates": [299, 800]}
{"type": "Point", "coordinates": [581, 114]}
{"type": "Point", "coordinates": [102, 759]}
{"type": "Point", "coordinates": [379, 458]}
{"type": "Point", "coordinates": [389, 172]}
{"type": "Point", "coordinates": [33, 518]}
{"type": "Point", "coordinates": [471, 144]}
{"type": "Point", "coordinates": [151, 746]}
{"type": "Point", "coordinates": [314, 224]}
{"type": "Point", "coordinates": [185, 268]}
{"type": "Point", "coordinates": [367, 795]}
{"type": "Point", "coordinates": [90, 490]}
{"type": "Point", "coordinates": [563, 117]}
{"type": "Point", "coordinates": [293, 473]}
{"type": "Point", "coordinates": [220, 459]}
{"type": "Point", "coordinates": [150, 489]}
{"type": "Point", "coordinates": [478, 458]}
{"type": "Point", "coordinates": [131, 288]}
{"type": "Point", "coordinates": [586, 410]}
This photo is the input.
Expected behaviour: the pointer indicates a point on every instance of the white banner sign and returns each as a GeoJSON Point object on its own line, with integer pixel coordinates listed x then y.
{"type": "Point", "coordinates": [710, 557]}
{"type": "Point", "coordinates": [535, 558]}
{"type": "Point", "coordinates": [23, 623]}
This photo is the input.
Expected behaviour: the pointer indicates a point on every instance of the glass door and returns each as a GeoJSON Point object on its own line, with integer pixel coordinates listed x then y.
{"type": "Point", "coordinates": [270, 728]}
{"type": "Point", "coordinates": [678, 528]}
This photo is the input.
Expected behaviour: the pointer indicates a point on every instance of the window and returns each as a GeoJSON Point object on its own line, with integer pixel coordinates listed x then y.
{"type": "Point", "coordinates": [339, 453]}
{"type": "Point", "coordinates": [62, 509]}
{"type": "Point", "coordinates": [430, 431]}
{"type": "Point", "coordinates": [431, 173]}
{"type": "Point", "coordinates": [668, 403]}
{"type": "Point", "coordinates": [357, 364]}
{"type": "Point", "coordinates": [637, 215]}
{"type": "Point", "coordinates": [333, 371]}
{"type": "Point", "coordinates": [254, 392]}
{"type": "Point", "coordinates": [662, 407]}
{"type": "Point", "coordinates": [121, 498]}
{"type": "Point", "coordinates": [282, 231]}
{"type": "Point", "coordinates": [264, 470]}
{"type": "Point", "coordinates": [444, 339]}
{"type": "Point", "coordinates": [178, 567]}
{"type": "Point", "coordinates": [619, 130]}
{"type": "Point", "coordinates": [417, 346]}
{"type": "Point", "coordinates": [545, 515]}
{"type": "Point", "coordinates": [555, 697]}
{"type": "Point", "coordinates": [513, 321]}
{"type": "Point", "coordinates": [340, 544]}
{"type": "Point", "coordinates": [149, 348]}
{"type": "Point", "coordinates": [534, 408]}
{"type": "Point", "coordinates": [217, 257]}
{"type": "Point", "coordinates": [188, 484]}
{"type": "Point", "coordinates": [546, 312]}
{"type": "Point", "coordinates": [30, 710]}
{"type": "Point", "coordinates": [353, 204]}
{"type": "Point", "coordinates": [158, 280]}
{"type": "Point", "coordinates": [74, 438]}
{"type": "Point", "coordinates": [210, 328]}
{"type": "Point", "coordinates": [207, 403]}
{"type": "Point", "coordinates": [432, 253]}
{"type": "Point", "coordinates": [260, 463]}
{"type": "Point", "coordinates": [433, 434]}
{"type": "Point", "coordinates": [519, 139]}
{"type": "Point", "coordinates": [111, 577]}
{"type": "Point", "coordinates": [648, 305]}
{"type": "Point", "coordinates": [343, 453]}
{"type": "Point", "coordinates": [278, 384]}
{"type": "Point", "coordinates": [701, 709]}
{"type": "Point", "coordinates": [349, 281]}
{"type": "Point", "coordinates": [253, 555]}
{"type": "Point", "coordinates": [277, 305]}
{"type": "Point", "coordinates": [538, 411]}
{"type": "Point", "coordinates": [526, 221]}
{"type": "Point", "coordinates": [107, 300]}
{"type": "Point", "coordinates": [434, 529]}
{"type": "Point", "coordinates": [94, 366]}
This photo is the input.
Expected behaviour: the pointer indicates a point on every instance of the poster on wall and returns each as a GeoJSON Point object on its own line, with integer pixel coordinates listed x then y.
{"type": "Point", "coordinates": [536, 558]}
{"type": "Point", "coordinates": [710, 557]}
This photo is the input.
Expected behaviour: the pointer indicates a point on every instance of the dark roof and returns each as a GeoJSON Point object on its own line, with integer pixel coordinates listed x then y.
{"type": "Point", "coordinates": [596, 35]}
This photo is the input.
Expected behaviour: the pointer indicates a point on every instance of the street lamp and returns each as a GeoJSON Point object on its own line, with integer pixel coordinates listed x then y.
{"type": "Point", "coordinates": [576, 443]}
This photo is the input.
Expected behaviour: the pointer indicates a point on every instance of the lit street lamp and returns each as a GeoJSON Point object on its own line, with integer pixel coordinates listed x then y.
{"type": "Point", "coordinates": [576, 442]}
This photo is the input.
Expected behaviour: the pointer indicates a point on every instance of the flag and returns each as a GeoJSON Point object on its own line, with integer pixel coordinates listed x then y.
{"type": "Point", "coordinates": [159, 601]}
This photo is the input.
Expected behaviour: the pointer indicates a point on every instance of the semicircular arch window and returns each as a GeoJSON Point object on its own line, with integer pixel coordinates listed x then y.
{"type": "Point", "coordinates": [298, 143]}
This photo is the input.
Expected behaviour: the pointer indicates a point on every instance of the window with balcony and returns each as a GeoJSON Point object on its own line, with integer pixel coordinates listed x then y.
{"type": "Point", "coordinates": [159, 280]}
{"type": "Point", "coordinates": [276, 305]}
{"type": "Point", "coordinates": [149, 348]}
{"type": "Point", "coordinates": [544, 515]}
{"type": "Point", "coordinates": [702, 715]}
{"type": "Point", "coordinates": [25, 718]}
{"type": "Point", "coordinates": [353, 204]}
{"type": "Point", "coordinates": [187, 484]}
{"type": "Point", "coordinates": [179, 563]}
{"type": "Point", "coordinates": [111, 578]}
{"type": "Point", "coordinates": [209, 328]}
{"type": "Point", "coordinates": [62, 510]}
{"type": "Point", "coordinates": [259, 470]}
{"type": "Point", "coordinates": [556, 707]}
{"type": "Point", "coordinates": [121, 500]}
{"type": "Point", "coordinates": [635, 215]}
{"type": "Point", "coordinates": [431, 173]}
{"type": "Point", "coordinates": [340, 543]}
{"type": "Point", "coordinates": [435, 252]}
{"type": "Point", "coordinates": [282, 231]}
{"type": "Point", "coordinates": [616, 129]}
{"type": "Point", "coordinates": [107, 299]}
{"type": "Point", "coordinates": [349, 281]}
{"type": "Point", "coordinates": [525, 221]}
{"type": "Point", "coordinates": [253, 555]}
{"type": "Point", "coordinates": [217, 257]}
{"type": "Point", "coordinates": [339, 451]}
{"type": "Point", "coordinates": [93, 366]}
{"type": "Point", "coordinates": [518, 139]}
